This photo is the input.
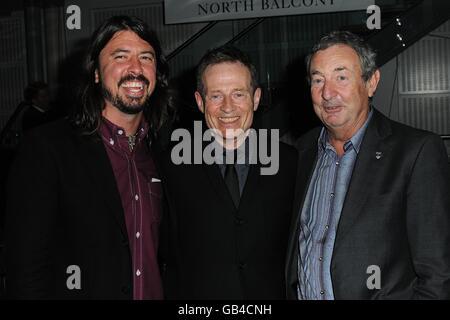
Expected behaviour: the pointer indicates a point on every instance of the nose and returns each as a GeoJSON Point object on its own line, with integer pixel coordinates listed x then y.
{"type": "Point", "coordinates": [328, 90]}
{"type": "Point", "coordinates": [227, 105]}
{"type": "Point", "coordinates": [135, 66]}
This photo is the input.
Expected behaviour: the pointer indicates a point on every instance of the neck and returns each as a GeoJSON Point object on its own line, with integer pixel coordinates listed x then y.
{"type": "Point", "coordinates": [129, 122]}
{"type": "Point", "coordinates": [339, 136]}
{"type": "Point", "coordinates": [233, 143]}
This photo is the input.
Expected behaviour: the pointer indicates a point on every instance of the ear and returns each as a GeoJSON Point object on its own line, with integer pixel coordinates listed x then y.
{"type": "Point", "coordinates": [256, 98]}
{"type": "Point", "coordinates": [97, 80]}
{"type": "Point", "coordinates": [372, 83]}
{"type": "Point", "coordinates": [199, 100]}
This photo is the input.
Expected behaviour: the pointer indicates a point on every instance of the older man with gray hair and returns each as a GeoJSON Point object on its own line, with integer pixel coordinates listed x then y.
{"type": "Point", "coordinates": [372, 214]}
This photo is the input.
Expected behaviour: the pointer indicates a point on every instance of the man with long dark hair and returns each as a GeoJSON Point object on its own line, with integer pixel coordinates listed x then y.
{"type": "Point", "coordinates": [83, 216]}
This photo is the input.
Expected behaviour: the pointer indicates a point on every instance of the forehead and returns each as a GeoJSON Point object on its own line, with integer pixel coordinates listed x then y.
{"type": "Point", "coordinates": [338, 55]}
{"type": "Point", "coordinates": [227, 72]}
{"type": "Point", "coordinates": [126, 39]}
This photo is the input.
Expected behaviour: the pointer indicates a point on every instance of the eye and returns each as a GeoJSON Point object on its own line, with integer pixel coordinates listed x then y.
{"type": "Point", "coordinates": [148, 58]}
{"type": "Point", "coordinates": [342, 78]}
{"type": "Point", "coordinates": [215, 98]}
{"type": "Point", "coordinates": [238, 95]}
{"type": "Point", "coordinates": [316, 81]}
{"type": "Point", "coordinates": [119, 57]}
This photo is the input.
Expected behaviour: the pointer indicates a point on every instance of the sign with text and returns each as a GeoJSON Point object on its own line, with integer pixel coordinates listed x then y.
{"type": "Point", "coordinates": [177, 11]}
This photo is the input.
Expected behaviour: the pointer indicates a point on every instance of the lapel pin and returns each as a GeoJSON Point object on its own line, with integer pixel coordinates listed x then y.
{"type": "Point", "coordinates": [378, 155]}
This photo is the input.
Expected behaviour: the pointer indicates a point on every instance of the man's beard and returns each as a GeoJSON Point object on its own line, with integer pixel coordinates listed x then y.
{"type": "Point", "coordinates": [133, 107]}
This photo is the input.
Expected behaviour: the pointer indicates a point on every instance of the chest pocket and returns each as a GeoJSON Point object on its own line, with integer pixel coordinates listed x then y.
{"type": "Point", "coordinates": [155, 192]}
{"type": "Point", "coordinates": [154, 187]}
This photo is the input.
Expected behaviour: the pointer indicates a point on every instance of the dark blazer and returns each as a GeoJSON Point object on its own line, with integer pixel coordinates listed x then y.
{"type": "Point", "coordinates": [32, 118]}
{"type": "Point", "coordinates": [64, 209]}
{"type": "Point", "coordinates": [215, 251]}
{"type": "Point", "coordinates": [396, 215]}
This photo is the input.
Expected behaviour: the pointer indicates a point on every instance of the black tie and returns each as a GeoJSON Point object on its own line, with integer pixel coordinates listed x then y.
{"type": "Point", "coordinates": [232, 182]}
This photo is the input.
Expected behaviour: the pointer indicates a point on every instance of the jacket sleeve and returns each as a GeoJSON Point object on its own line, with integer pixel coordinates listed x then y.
{"type": "Point", "coordinates": [428, 220]}
{"type": "Point", "coordinates": [30, 221]}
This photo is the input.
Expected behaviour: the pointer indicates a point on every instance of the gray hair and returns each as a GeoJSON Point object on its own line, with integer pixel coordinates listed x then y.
{"type": "Point", "coordinates": [366, 54]}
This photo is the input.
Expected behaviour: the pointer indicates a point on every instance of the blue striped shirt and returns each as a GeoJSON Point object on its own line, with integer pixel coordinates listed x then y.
{"type": "Point", "coordinates": [321, 213]}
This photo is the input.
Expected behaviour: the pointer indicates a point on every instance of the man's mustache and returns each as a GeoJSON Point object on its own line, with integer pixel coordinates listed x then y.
{"type": "Point", "coordinates": [132, 77]}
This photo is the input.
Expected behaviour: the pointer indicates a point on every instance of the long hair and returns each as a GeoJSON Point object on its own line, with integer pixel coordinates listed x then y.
{"type": "Point", "coordinates": [88, 112]}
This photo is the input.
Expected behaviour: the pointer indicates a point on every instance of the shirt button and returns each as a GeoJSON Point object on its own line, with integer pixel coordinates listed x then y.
{"type": "Point", "coordinates": [327, 226]}
{"type": "Point", "coordinates": [332, 194]}
{"type": "Point", "coordinates": [337, 163]}
{"type": "Point", "coordinates": [320, 259]}
{"type": "Point", "coordinates": [138, 272]}
{"type": "Point", "coordinates": [120, 132]}
{"type": "Point", "coordinates": [111, 142]}
{"type": "Point", "coordinates": [322, 292]}
{"type": "Point", "coordinates": [138, 235]}
{"type": "Point", "coordinates": [136, 197]}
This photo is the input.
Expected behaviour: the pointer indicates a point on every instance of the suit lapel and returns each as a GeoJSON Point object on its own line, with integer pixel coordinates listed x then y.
{"type": "Point", "coordinates": [217, 183]}
{"type": "Point", "coordinates": [307, 157]}
{"type": "Point", "coordinates": [306, 162]}
{"type": "Point", "coordinates": [369, 161]}
{"type": "Point", "coordinates": [97, 165]}
{"type": "Point", "coordinates": [249, 196]}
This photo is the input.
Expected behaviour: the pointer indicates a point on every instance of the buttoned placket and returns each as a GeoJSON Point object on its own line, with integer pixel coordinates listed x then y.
{"type": "Point", "coordinates": [135, 193]}
{"type": "Point", "coordinates": [330, 152]}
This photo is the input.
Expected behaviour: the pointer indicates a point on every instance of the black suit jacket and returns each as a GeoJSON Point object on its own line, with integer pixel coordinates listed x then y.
{"type": "Point", "coordinates": [64, 209]}
{"type": "Point", "coordinates": [215, 251]}
{"type": "Point", "coordinates": [396, 215]}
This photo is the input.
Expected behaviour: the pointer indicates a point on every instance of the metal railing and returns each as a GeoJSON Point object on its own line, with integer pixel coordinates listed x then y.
{"type": "Point", "coordinates": [190, 40]}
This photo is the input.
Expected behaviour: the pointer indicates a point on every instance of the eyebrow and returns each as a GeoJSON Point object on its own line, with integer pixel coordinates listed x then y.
{"type": "Point", "coordinates": [149, 51]}
{"type": "Point", "coordinates": [232, 90]}
{"type": "Point", "coordinates": [340, 69]}
{"type": "Point", "coordinates": [121, 50]}
{"type": "Point", "coordinates": [337, 69]}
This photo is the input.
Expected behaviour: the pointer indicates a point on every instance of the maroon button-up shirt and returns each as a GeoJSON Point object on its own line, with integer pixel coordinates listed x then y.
{"type": "Point", "coordinates": [140, 191]}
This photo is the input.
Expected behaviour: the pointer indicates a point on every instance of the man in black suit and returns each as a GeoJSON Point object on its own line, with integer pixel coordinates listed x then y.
{"type": "Point", "coordinates": [83, 207]}
{"type": "Point", "coordinates": [225, 232]}
{"type": "Point", "coordinates": [372, 210]}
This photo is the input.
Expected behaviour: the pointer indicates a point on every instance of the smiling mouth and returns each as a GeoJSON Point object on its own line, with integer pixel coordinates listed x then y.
{"type": "Point", "coordinates": [332, 109]}
{"type": "Point", "coordinates": [134, 89]}
{"type": "Point", "coordinates": [228, 119]}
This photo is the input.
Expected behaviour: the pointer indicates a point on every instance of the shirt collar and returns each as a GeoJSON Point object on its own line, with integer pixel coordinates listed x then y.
{"type": "Point", "coordinates": [242, 154]}
{"type": "Point", "coordinates": [111, 131]}
{"type": "Point", "coordinates": [355, 141]}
